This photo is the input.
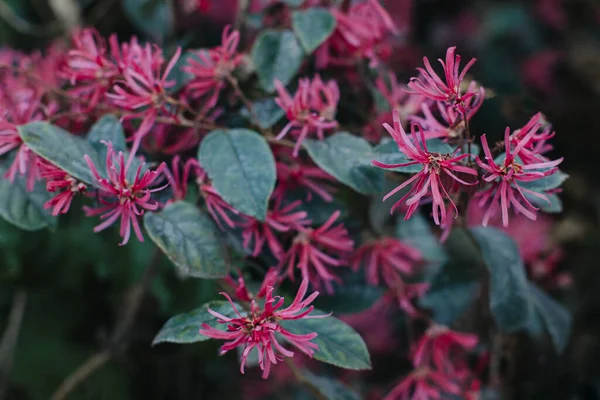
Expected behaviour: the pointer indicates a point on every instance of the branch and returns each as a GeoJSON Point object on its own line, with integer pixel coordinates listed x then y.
{"type": "Point", "coordinates": [119, 338]}
{"type": "Point", "coordinates": [9, 338]}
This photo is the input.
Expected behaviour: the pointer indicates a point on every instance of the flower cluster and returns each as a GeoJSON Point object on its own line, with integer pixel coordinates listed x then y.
{"type": "Point", "coordinates": [257, 329]}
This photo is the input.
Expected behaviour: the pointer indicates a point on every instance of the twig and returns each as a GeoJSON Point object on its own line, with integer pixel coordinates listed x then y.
{"type": "Point", "coordinates": [26, 28]}
{"type": "Point", "coordinates": [240, 17]}
{"type": "Point", "coordinates": [119, 338]}
{"type": "Point", "coordinates": [238, 91]}
{"type": "Point", "coordinates": [10, 337]}
{"type": "Point", "coordinates": [82, 373]}
{"type": "Point", "coordinates": [468, 135]}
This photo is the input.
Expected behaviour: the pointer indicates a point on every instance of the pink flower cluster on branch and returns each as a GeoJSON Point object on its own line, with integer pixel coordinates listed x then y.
{"type": "Point", "coordinates": [258, 328]}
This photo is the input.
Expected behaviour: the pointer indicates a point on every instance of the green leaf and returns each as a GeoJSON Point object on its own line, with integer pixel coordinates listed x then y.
{"type": "Point", "coordinates": [276, 55]}
{"type": "Point", "coordinates": [339, 344]}
{"type": "Point", "coordinates": [242, 169]}
{"type": "Point", "coordinates": [108, 129]}
{"type": "Point", "coordinates": [417, 232]}
{"type": "Point", "coordinates": [61, 148]}
{"type": "Point", "coordinates": [509, 293]}
{"type": "Point", "coordinates": [183, 328]}
{"type": "Point", "coordinates": [153, 17]}
{"type": "Point", "coordinates": [341, 155]}
{"type": "Point", "coordinates": [267, 112]}
{"type": "Point", "coordinates": [556, 317]}
{"type": "Point", "coordinates": [546, 183]}
{"type": "Point", "coordinates": [190, 239]}
{"type": "Point", "coordinates": [329, 388]}
{"type": "Point", "coordinates": [177, 75]}
{"type": "Point", "coordinates": [313, 26]}
{"type": "Point", "coordinates": [455, 286]}
{"type": "Point", "coordinates": [20, 207]}
{"type": "Point", "coordinates": [350, 298]}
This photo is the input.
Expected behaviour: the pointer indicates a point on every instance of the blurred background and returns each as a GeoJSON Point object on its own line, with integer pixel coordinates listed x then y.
{"type": "Point", "coordinates": [539, 55]}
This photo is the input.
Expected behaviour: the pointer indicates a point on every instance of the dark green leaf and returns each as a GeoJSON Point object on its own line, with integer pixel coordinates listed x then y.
{"type": "Point", "coordinates": [242, 169]}
{"type": "Point", "coordinates": [455, 286]}
{"type": "Point", "coordinates": [509, 293]}
{"type": "Point", "coordinates": [183, 328]}
{"type": "Point", "coordinates": [339, 344]}
{"type": "Point", "coordinates": [313, 26]}
{"type": "Point", "coordinates": [153, 17]}
{"type": "Point", "coordinates": [267, 112]}
{"type": "Point", "coordinates": [20, 207]}
{"type": "Point", "coordinates": [341, 156]}
{"type": "Point", "coordinates": [108, 129]}
{"type": "Point", "coordinates": [61, 148]}
{"type": "Point", "coordinates": [276, 55]}
{"type": "Point", "coordinates": [329, 388]}
{"type": "Point", "coordinates": [417, 232]}
{"type": "Point", "coordinates": [177, 75]}
{"type": "Point", "coordinates": [189, 238]}
{"type": "Point", "coordinates": [557, 318]}
{"type": "Point", "coordinates": [350, 298]}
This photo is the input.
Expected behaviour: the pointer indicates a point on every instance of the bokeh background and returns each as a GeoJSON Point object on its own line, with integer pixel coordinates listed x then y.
{"type": "Point", "coordinates": [539, 55]}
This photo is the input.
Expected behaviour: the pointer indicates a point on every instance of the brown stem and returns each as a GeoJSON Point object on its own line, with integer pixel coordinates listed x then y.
{"type": "Point", "coordinates": [82, 373]}
{"type": "Point", "coordinates": [238, 91]}
{"type": "Point", "coordinates": [10, 337]}
{"type": "Point", "coordinates": [119, 338]}
{"type": "Point", "coordinates": [240, 17]}
{"type": "Point", "coordinates": [468, 135]}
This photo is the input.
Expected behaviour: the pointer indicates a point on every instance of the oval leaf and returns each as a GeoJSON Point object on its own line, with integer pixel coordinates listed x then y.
{"type": "Point", "coordinates": [183, 328]}
{"type": "Point", "coordinates": [313, 27]}
{"type": "Point", "coordinates": [276, 55]}
{"type": "Point", "coordinates": [342, 156]}
{"type": "Point", "coordinates": [242, 169]}
{"type": "Point", "coordinates": [152, 17]}
{"type": "Point", "coordinates": [350, 298]}
{"type": "Point", "coordinates": [22, 208]}
{"type": "Point", "coordinates": [329, 388]}
{"type": "Point", "coordinates": [509, 293]}
{"type": "Point", "coordinates": [339, 344]}
{"type": "Point", "coordinates": [108, 129]}
{"type": "Point", "coordinates": [557, 318]}
{"type": "Point", "coordinates": [267, 112]}
{"type": "Point", "coordinates": [61, 148]}
{"type": "Point", "coordinates": [189, 238]}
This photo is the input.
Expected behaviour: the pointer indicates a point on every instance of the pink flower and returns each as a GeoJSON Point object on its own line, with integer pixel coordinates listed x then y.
{"type": "Point", "coordinates": [315, 251]}
{"type": "Point", "coordinates": [144, 90]}
{"type": "Point", "coordinates": [213, 67]}
{"type": "Point", "coordinates": [361, 32]}
{"type": "Point", "coordinates": [279, 219]}
{"type": "Point", "coordinates": [398, 98]}
{"type": "Point", "coordinates": [389, 259]}
{"type": "Point", "coordinates": [309, 179]}
{"type": "Point", "coordinates": [437, 170]}
{"type": "Point", "coordinates": [503, 179]}
{"type": "Point", "coordinates": [439, 346]}
{"type": "Point", "coordinates": [58, 180]}
{"type": "Point", "coordinates": [537, 144]}
{"type": "Point", "coordinates": [453, 124]}
{"type": "Point", "coordinates": [89, 67]}
{"type": "Point", "coordinates": [121, 199]}
{"type": "Point", "coordinates": [270, 280]}
{"type": "Point", "coordinates": [431, 85]}
{"type": "Point", "coordinates": [257, 329]}
{"type": "Point", "coordinates": [424, 384]}
{"type": "Point", "coordinates": [311, 110]}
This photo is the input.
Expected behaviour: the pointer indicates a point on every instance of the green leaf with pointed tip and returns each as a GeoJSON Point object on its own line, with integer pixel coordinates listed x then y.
{"type": "Point", "coordinates": [242, 169]}
{"type": "Point", "coordinates": [330, 388]}
{"type": "Point", "coordinates": [342, 156]}
{"type": "Point", "coordinates": [190, 240]}
{"type": "Point", "coordinates": [276, 55]}
{"type": "Point", "coordinates": [184, 328]}
{"type": "Point", "coordinates": [510, 301]}
{"type": "Point", "coordinates": [153, 17]}
{"type": "Point", "coordinates": [350, 297]}
{"type": "Point", "coordinates": [546, 183]}
{"type": "Point", "coordinates": [23, 208]}
{"type": "Point", "coordinates": [267, 112]}
{"type": "Point", "coordinates": [313, 26]}
{"type": "Point", "coordinates": [61, 148]}
{"type": "Point", "coordinates": [108, 129]}
{"type": "Point", "coordinates": [556, 317]}
{"type": "Point", "coordinates": [339, 344]}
